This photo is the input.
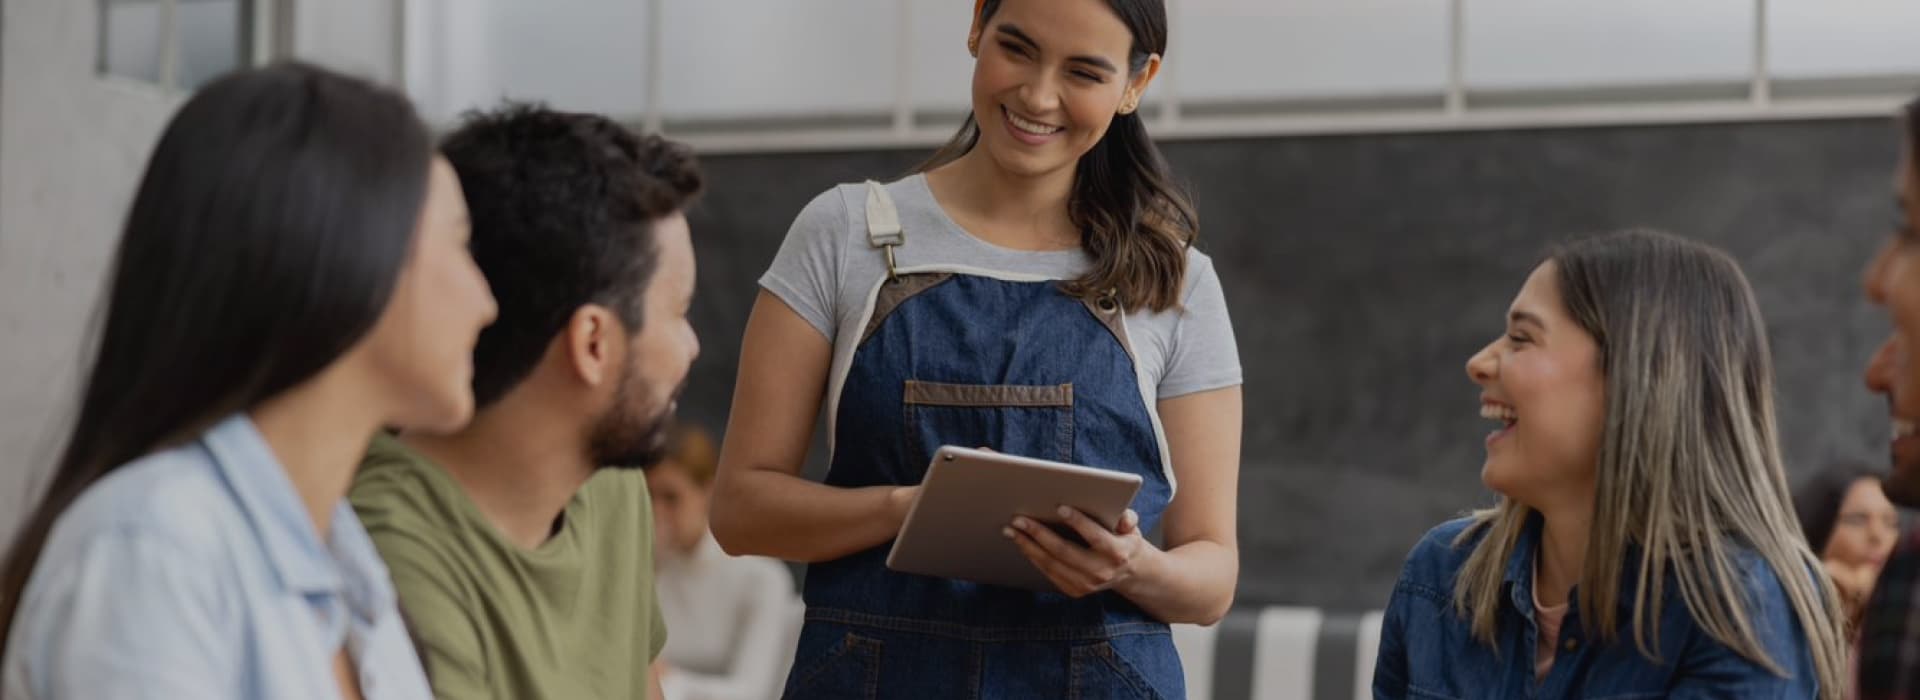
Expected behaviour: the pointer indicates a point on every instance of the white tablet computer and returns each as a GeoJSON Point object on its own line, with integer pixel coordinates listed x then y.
{"type": "Point", "coordinates": [953, 529]}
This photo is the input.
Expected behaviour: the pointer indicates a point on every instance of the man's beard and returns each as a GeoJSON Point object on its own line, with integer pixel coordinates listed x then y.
{"type": "Point", "coordinates": [629, 436]}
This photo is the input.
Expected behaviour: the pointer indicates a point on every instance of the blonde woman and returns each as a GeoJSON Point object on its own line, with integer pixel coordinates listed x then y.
{"type": "Point", "coordinates": [1644, 544]}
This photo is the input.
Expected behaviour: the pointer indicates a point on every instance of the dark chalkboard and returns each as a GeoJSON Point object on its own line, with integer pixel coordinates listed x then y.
{"type": "Point", "coordinates": [1363, 270]}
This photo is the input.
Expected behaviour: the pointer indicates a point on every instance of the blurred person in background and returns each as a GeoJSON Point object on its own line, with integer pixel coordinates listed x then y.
{"type": "Point", "coordinates": [733, 619]}
{"type": "Point", "coordinates": [1849, 522]}
{"type": "Point", "coordinates": [1852, 526]}
{"type": "Point", "coordinates": [1890, 628]}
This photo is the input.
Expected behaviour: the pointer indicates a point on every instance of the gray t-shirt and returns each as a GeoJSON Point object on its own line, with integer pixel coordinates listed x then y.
{"type": "Point", "coordinates": [826, 271]}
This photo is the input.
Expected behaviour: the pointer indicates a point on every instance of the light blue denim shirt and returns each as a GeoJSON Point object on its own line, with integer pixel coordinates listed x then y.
{"type": "Point", "coordinates": [196, 573]}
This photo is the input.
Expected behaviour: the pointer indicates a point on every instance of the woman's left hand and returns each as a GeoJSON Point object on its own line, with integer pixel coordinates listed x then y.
{"type": "Point", "coordinates": [1109, 559]}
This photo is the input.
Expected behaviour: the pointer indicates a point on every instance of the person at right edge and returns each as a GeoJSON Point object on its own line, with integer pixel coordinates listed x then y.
{"type": "Point", "coordinates": [1034, 290]}
{"type": "Point", "coordinates": [1889, 653]}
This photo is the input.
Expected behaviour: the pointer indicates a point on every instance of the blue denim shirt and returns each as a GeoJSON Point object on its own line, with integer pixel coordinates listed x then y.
{"type": "Point", "coordinates": [1427, 650]}
{"type": "Point", "coordinates": [196, 572]}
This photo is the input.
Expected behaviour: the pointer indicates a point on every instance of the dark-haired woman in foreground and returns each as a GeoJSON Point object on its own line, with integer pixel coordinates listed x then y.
{"type": "Point", "coordinates": [292, 277]}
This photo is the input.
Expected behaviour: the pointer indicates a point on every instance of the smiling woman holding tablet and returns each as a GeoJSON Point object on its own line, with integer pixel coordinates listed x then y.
{"type": "Point", "coordinates": [1032, 290]}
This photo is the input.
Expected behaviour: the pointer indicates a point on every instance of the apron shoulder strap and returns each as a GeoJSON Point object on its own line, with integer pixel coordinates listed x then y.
{"type": "Point", "coordinates": [883, 219]}
{"type": "Point", "coordinates": [883, 223]}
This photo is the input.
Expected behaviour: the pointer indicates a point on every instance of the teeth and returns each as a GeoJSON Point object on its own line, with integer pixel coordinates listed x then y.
{"type": "Point", "coordinates": [1499, 413]}
{"type": "Point", "coordinates": [1902, 428]}
{"type": "Point", "coordinates": [1031, 127]}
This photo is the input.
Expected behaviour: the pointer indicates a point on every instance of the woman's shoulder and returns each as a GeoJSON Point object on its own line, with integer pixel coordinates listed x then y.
{"type": "Point", "coordinates": [835, 219]}
{"type": "Point", "coordinates": [846, 204]}
{"type": "Point", "coordinates": [1756, 578]}
{"type": "Point", "coordinates": [1200, 271]}
{"type": "Point", "coordinates": [1771, 615]}
{"type": "Point", "coordinates": [1761, 586]}
{"type": "Point", "coordinates": [829, 209]}
{"type": "Point", "coordinates": [175, 496]}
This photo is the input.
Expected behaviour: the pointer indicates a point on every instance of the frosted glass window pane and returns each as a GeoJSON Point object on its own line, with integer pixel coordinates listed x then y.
{"type": "Point", "coordinates": [130, 41]}
{"type": "Point", "coordinates": [1573, 43]}
{"type": "Point", "coordinates": [210, 34]}
{"type": "Point", "coordinates": [585, 55]}
{"type": "Point", "coordinates": [757, 58]}
{"type": "Point", "coordinates": [1267, 49]}
{"type": "Point", "coordinates": [1839, 38]}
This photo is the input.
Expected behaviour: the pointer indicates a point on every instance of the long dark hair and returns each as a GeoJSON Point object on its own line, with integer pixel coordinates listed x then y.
{"type": "Point", "coordinates": [265, 240]}
{"type": "Point", "coordinates": [1818, 501]}
{"type": "Point", "coordinates": [1136, 223]}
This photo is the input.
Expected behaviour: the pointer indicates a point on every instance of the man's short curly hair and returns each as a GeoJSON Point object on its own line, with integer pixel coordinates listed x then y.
{"type": "Point", "coordinates": [563, 206]}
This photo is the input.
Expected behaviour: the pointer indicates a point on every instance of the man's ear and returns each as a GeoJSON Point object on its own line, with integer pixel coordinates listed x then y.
{"type": "Point", "coordinates": [589, 336]}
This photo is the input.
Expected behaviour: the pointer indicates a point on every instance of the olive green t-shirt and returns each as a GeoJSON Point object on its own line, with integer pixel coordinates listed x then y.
{"type": "Point", "coordinates": [575, 618]}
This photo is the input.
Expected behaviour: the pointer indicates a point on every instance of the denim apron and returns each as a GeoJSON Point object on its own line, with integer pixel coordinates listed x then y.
{"type": "Point", "coordinates": [964, 356]}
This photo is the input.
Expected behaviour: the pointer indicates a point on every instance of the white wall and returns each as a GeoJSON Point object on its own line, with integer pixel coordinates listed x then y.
{"type": "Point", "coordinates": [71, 149]}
